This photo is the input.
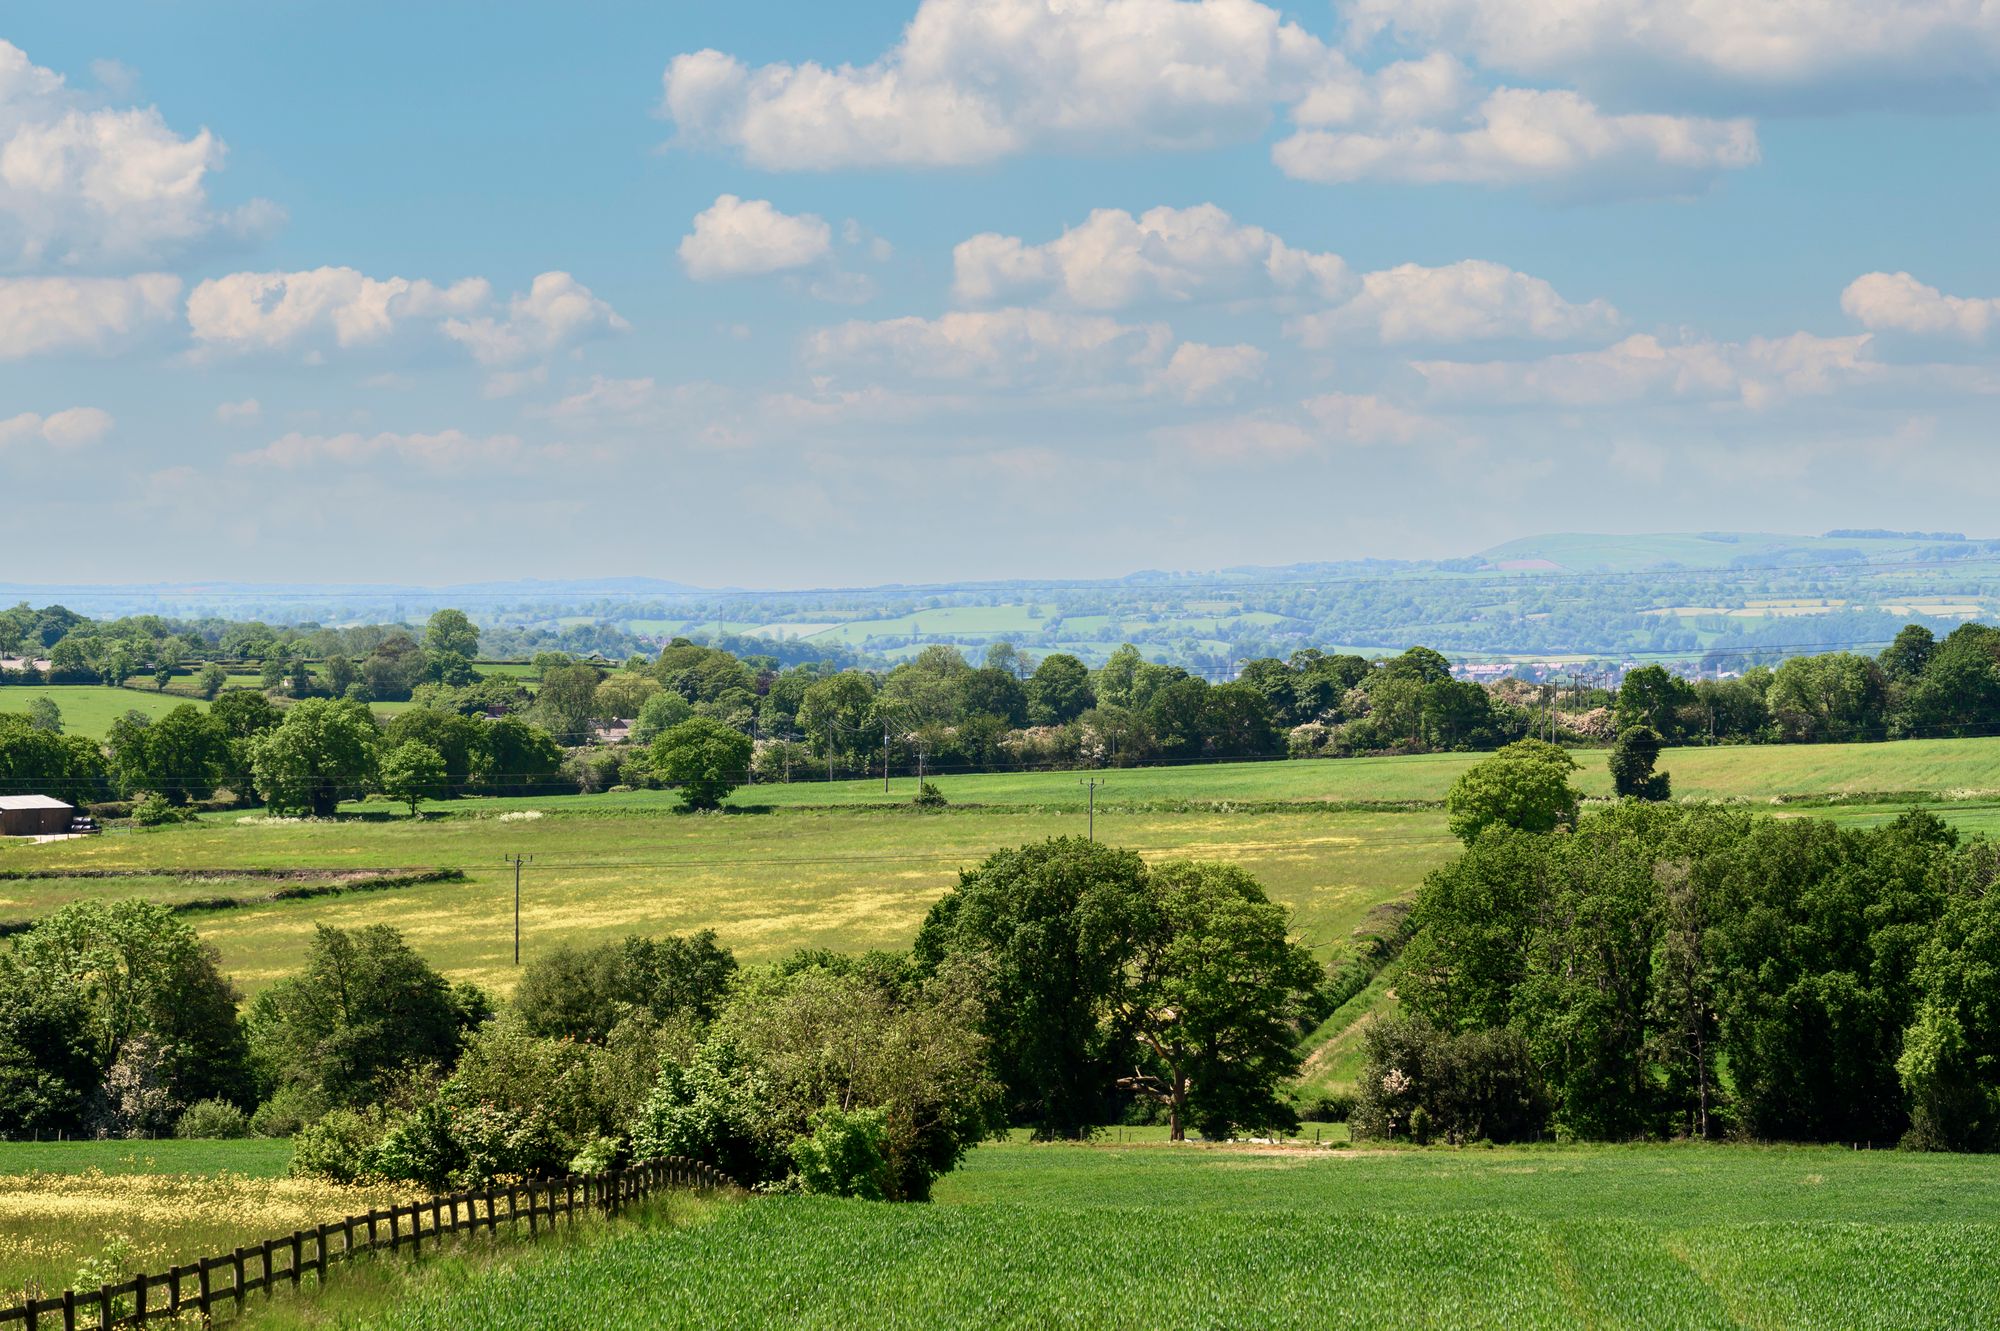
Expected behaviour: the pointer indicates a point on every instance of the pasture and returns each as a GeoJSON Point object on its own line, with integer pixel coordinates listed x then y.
{"type": "Point", "coordinates": [89, 709]}
{"type": "Point", "coordinates": [1137, 1237]}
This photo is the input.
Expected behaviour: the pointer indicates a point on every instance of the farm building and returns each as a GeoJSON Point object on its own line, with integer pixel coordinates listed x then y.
{"type": "Point", "coordinates": [34, 815]}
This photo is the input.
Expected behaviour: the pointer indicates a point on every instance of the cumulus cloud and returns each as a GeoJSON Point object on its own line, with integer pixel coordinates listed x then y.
{"type": "Point", "coordinates": [281, 311]}
{"type": "Point", "coordinates": [1365, 418]}
{"type": "Point", "coordinates": [344, 308]}
{"type": "Point", "coordinates": [1197, 372]}
{"type": "Point", "coordinates": [445, 450]}
{"type": "Point", "coordinates": [1845, 48]}
{"type": "Point", "coordinates": [239, 413]}
{"type": "Point", "coordinates": [1897, 302]}
{"type": "Point", "coordinates": [1756, 372]}
{"type": "Point", "coordinates": [1525, 136]}
{"type": "Point", "coordinates": [94, 186]}
{"type": "Point", "coordinates": [557, 311]}
{"type": "Point", "coordinates": [1007, 348]}
{"type": "Point", "coordinates": [1461, 302]}
{"type": "Point", "coordinates": [1113, 260]}
{"type": "Point", "coordinates": [736, 237]}
{"type": "Point", "coordinates": [1321, 424]}
{"type": "Point", "coordinates": [977, 80]}
{"type": "Point", "coordinates": [63, 429]}
{"type": "Point", "coordinates": [45, 314]}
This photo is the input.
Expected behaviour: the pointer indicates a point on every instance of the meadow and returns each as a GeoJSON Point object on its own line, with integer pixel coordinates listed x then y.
{"type": "Point", "coordinates": [839, 865]}
{"type": "Point", "coordinates": [1139, 1237]}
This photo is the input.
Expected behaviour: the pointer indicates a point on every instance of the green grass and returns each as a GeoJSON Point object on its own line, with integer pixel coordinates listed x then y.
{"type": "Point", "coordinates": [89, 709]}
{"type": "Point", "coordinates": [251, 1157]}
{"type": "Point", "coordinates": [1088, 1237]}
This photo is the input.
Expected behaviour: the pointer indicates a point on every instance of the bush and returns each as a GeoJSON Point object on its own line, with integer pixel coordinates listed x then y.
{"type": "Point", "coordinates": [289, 1109]}
{"type": "Point", "coordinates": [929, 797]}
{"type": "Point", "coordinates": [340, 1148]}
{"type": "Point", "coordinates": [845, 1154]}
{"type": "Point", "coordinates": [211, 1119]}
{"type": "Point", "coordinates": [1336, 1107]}
{"type": "Point", "coordinates": [1422, 1082]}
{"type": "Point", "coordinates": [152, 810]}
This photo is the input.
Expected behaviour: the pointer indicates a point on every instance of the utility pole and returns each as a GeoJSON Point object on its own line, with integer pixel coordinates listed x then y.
{"type": "Point", "coordinates": [885, 755]}
{"type": "Point", "coordinates": [1090, 824]}
{"type": "Point", "coordinates": [517, 861]}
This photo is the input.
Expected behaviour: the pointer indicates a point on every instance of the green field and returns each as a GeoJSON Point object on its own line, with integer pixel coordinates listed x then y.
{"type": "Point", "coordinates": [820, 867]}
{"type": "Point", "coordinates": [89, 709]}
{"type": "Point", "coordinates": [1099, 1236]}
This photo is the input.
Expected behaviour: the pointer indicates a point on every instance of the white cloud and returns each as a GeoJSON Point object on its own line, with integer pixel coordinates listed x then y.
{"type": "Point", "coordinates": [445, 450]}
{"type": "Point", "coordinates": [280, 311]}
{"type": "Point", "coordinates": [46, 314]}
{"type": "Point", "coordinates": [976, 80]}
{"type": "Point", "coordinates": [1461, 302]}
{"type": "Point", "coordinates": [238, 413]}
{"type": "Point", "coordinates": [91, 186]}
{"type": "Point", "coordinates": [556, 312]}
{"type": "Point", "coordinates": [343, 308]}
{"type": "Point", "coordinates": [1842, 47]}
{"type": "Point", "coordinates": [1113, 260]}
{"type": "Point", "coordinates": [1008, 348]}
{"type": "Point", "coordinates": [1526, 136]}
{"type": "Point", "coordinates": [1756, 373]}
{"type": "Point", "coordinates": [1364, 418]}
{"type": "Point", "coordinates": [1897, 302]}
{"type": "Point", "coordinates": [736, 237]}
{"type": "Point", "coordinates": [1198, 372]}
{"type": "Point", "coordinates": [62, 429]}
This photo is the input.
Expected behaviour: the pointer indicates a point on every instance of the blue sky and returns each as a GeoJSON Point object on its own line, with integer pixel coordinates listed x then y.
{"type": "Point", "coordinates": [789, 295]}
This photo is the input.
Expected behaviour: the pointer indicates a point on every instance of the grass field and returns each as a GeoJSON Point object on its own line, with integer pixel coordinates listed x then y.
{"type": "Point", "coordinates": [1100, 1236]}
{"type": "Point", "coordinates": [89, 709]}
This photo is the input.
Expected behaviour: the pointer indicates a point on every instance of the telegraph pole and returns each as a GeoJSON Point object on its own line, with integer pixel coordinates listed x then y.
{"type": "Point", "coordinates": [517, 861]}
{"type": "Point", "coordinates": [885, 755]}
{"type": "Point", "coordinates": [1090, 824]}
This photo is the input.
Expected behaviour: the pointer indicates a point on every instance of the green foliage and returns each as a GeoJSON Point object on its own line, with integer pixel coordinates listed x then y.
{"type": "Point", "coordinates": [658, 713]}
{"type": "Point", "coordinates": [1950, 1063]}
{"type": "Point", "coordinates": [1059, 690]}
{"type": "Point", "coordinates": [844, 1154]}
{"type": "Point", "coordinates": [1525, 786]}
{"type": "Point", "coordinates": [153, 810]}
{"type": "Point", "coordinates": [212, 1119]}
{"type": "Point", "coordinates": [365, 1011]}
{"type": "Point", "coordinates": [704, 759]}
{"type": "Point", "coordinates": [338, 1147]}
{"type": "Point", "coordinates": [323, 751]}
{"type": "Point", "coordinates": [1632, 763]}
{"type": "Point", "coordinates": [412, 772]}
{"type": "Point", "coordinates": [583, 993]}
{"type": "Point", "coordinates": [929, 797]}
{"type": "Point", "coordinates": [1469, 1086]}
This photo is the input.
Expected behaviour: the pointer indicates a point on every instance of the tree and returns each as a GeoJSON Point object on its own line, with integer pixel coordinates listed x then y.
{"type": "Point", "coordinates": [68, 767]}
{"type": "Point", "coordinates": [567, 701]}
{"type": "Point", "coordinates": [1525, 785]}
{"type": "Point", "coordinates": [1817, 699]}
{"type": "Point", "coordinates": [1059, 691]}
{"type": "Point", "coordinates": [1652, 696]}
{"type": "Point", "coordinates": [43, 714]}
{"type": "Point", "coordinates": [518, 757]}
{"type": "Point", "coordinates": [1114, 684]}
{"type": "Point", "coordinates": [576, 993]}
{"type": "Point", "coordinates": [1904, 659]}
{"type": "Point", "coordinates": [624, 694]}
{"type": "Point", "coordinates": [209, 682]}
{"type": "Point", "coordinates": [1217, 994]}
{"type": "Point", "coordinates": [459, 741]}
{"type": "Point", "coordinates": [412, 772]}
{"type": "Point", "coordinates": [1047, 930]}
{"type": "Point", "coordinates": [450, 633]}
{"type": "Point", "coordinates": [1632, 762]}
{"type": "Point", "coordinates": [364, 1011]}
{"type": "Point", "coordinates": [659, 712]}
{"type": "Point", "coordinates": [704, 758]}
{"type": "Point", "coordinates": [1950, 1064]}
{"type": "Point", "coordinates": [322, 752]}
{"type": "Point", "coordinates": [835, 713]}
{"type": "Point", "coordinates": [394, 668]}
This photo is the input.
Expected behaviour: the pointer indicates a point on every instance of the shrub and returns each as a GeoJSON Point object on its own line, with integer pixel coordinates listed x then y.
{"type": "Point", "coordinates": [289, 1109]}
{"type": "Point", "coordinates": [340, 1147]}
{"type": "Point", "coordinates": [152, 810]}
{"type": "Point", "coordinates": [929, 797]}
{"type": "Point", "coordinates": [1422, 1082]}
{"type": "Point", "coordinates": [845, 1154]}
{"type": "Point", "coordinates": [211, 1119]}
{"type": "Point", "coordinates": [598, 1155]}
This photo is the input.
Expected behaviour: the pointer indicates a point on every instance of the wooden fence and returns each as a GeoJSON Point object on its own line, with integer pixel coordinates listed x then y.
{"type": "Point", "coordinates": [214, 1285]}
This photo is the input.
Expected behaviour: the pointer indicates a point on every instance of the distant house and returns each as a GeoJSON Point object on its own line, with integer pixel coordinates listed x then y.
{"type": "Point", "coordinates": [34, 815]}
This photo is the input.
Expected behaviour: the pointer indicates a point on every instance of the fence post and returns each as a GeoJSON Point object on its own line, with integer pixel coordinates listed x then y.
{"type": "Point", "coordinates": [104, 1308]}
{"type": "Point", "coordinates": [139, 1280]}
{"type": "Point", "coordinates": [533, 1230]}
{"type": "Point", "coordinates": [298, 1255]}
{"type": "Point", "coordinates": [174, 1278]}
{"type": "Point", "coordinates": [203, 1298]}
{"type": "Point", "coordinates": [236, 1269]}
{"type": "Point", "coordinates": [416, 1230]}
{"type": "Point", "coordinates": [69, 1310]}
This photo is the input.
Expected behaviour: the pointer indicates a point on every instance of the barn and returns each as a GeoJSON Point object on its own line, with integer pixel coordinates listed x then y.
{"type": "Point", "coordinates": [34, 815]}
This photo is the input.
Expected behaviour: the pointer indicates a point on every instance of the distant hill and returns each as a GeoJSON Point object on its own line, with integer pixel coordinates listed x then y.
{"type": "Point", "coordinates": [1584, 552]}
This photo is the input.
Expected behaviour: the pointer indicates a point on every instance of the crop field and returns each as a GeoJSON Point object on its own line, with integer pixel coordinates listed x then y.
{"type": "Point", "coordinates": [1140, 1237]}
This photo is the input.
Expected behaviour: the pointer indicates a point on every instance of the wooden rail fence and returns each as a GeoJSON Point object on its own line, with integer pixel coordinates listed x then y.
{"type": "Point", "coordinates": [213, 1285]}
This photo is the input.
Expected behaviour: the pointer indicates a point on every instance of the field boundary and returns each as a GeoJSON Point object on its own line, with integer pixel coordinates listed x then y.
{"type": "Point", "coordinates": [261, 1265]}
{"type": "Point", "coordinates": [307, 883]}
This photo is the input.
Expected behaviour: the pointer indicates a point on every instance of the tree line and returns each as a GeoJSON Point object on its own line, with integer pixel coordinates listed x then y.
{"type": "Point", "coordinates": [1646, 970]}
{"type": "Point", "coordinates": [1059, 987]}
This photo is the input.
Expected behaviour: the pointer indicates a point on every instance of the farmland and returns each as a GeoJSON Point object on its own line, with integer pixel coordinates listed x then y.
{"type": "Point", "coordinates": [835, 866]}
{"type": "Point", "coordinates": [1102, 1236]}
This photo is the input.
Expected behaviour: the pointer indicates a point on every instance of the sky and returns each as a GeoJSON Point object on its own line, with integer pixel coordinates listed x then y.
{"type": "Point", "coordinates": [802, 294]}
